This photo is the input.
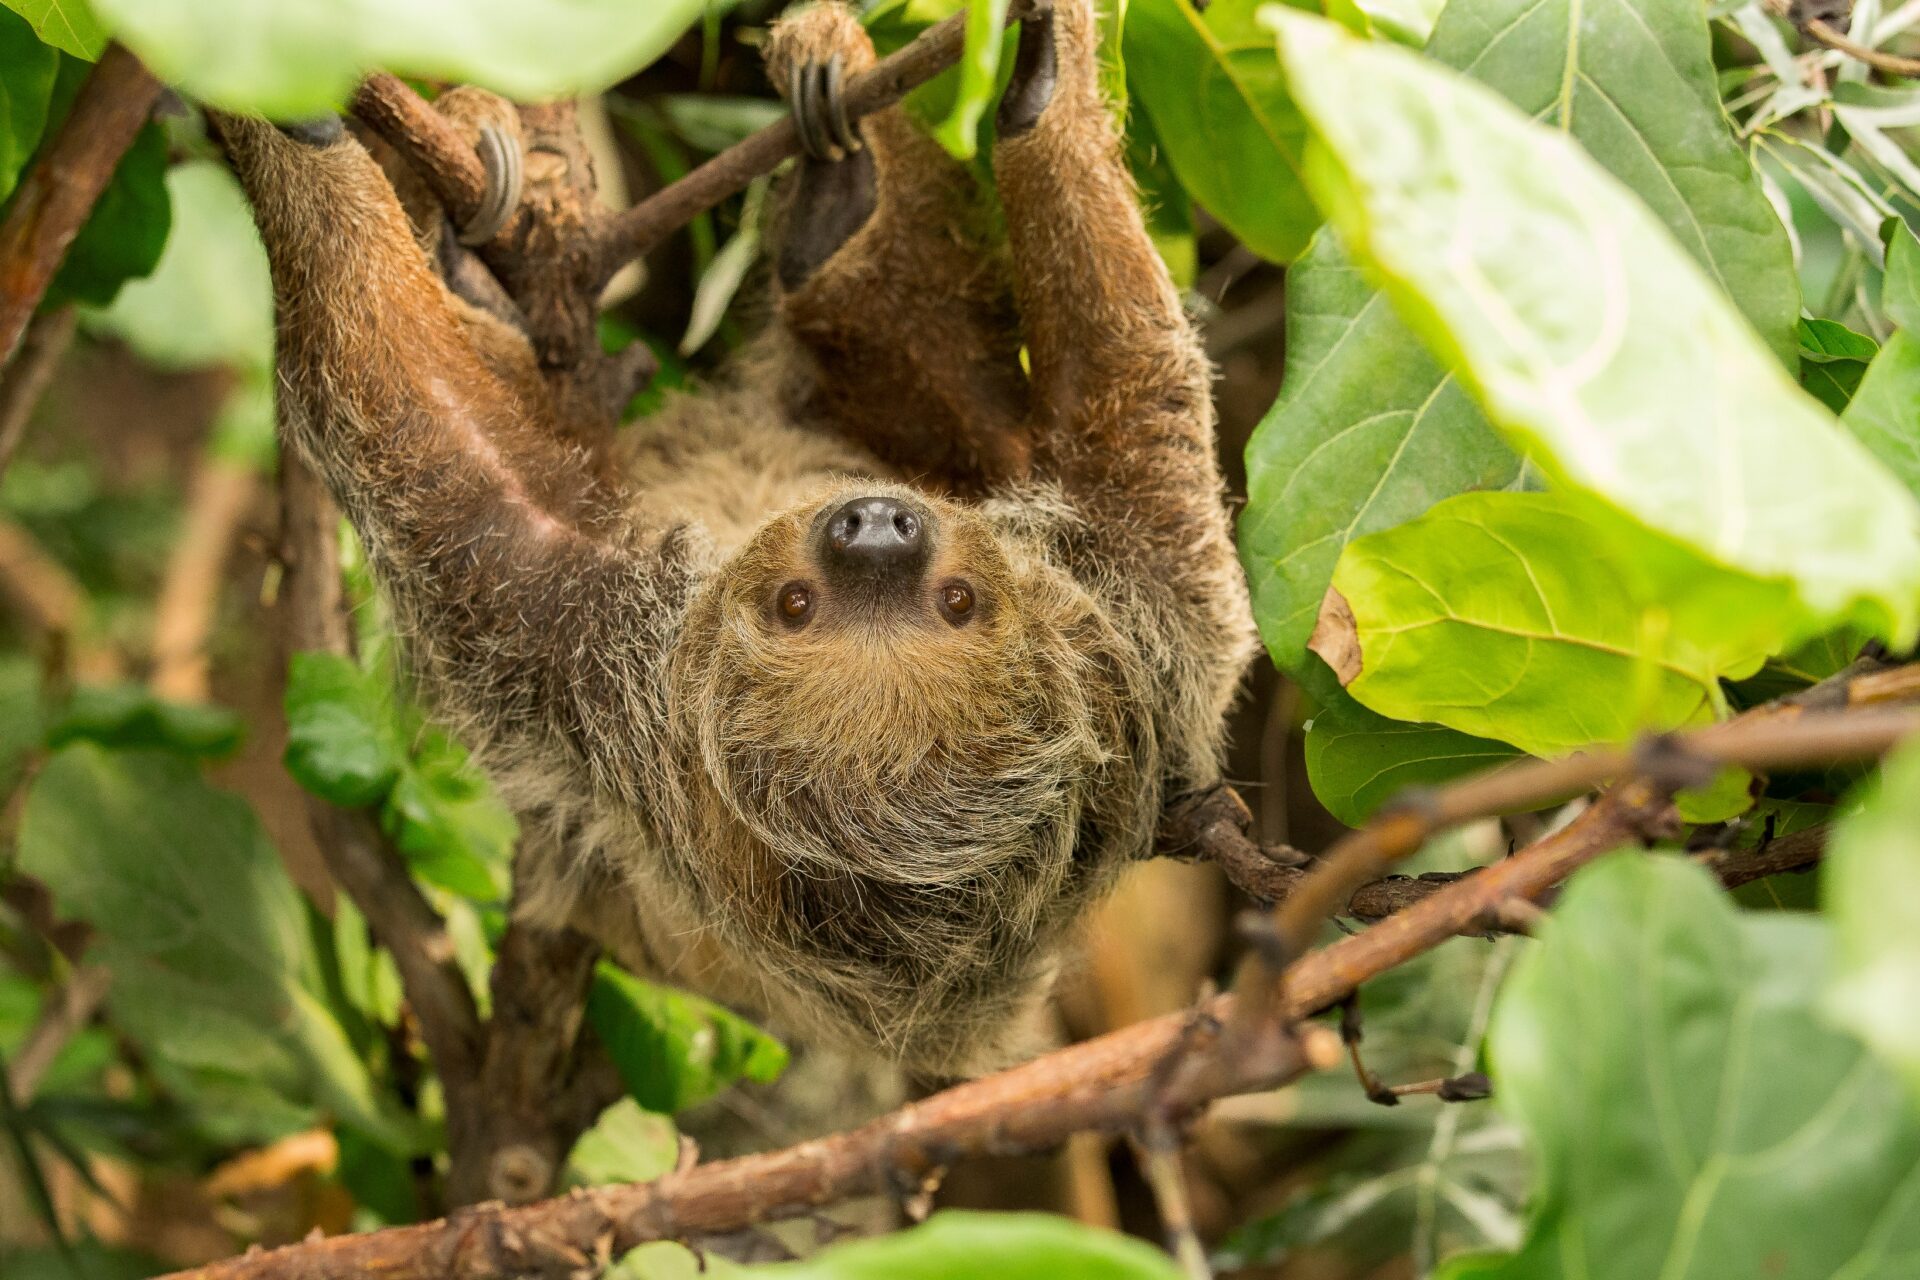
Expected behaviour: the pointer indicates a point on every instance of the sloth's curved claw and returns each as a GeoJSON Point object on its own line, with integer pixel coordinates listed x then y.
{"type": "Point", "coordinates": [815, 93]}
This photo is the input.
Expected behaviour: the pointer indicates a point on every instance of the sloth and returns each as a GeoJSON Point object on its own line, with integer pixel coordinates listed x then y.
{"type": "Point", "coordinates": [874, 663]}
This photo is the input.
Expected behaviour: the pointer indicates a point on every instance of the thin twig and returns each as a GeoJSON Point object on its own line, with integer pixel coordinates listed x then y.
{"type": "Point", "coordinates": [69, 1008]}
{"type": "Point", "coordinates": [1159, 1153]}
{"type": "Point", "coordinates": [59, 191]}
{"type": "Point", "coordinates": [25, 380]}
{"type": "Point", "coordinates": [1890, 63]}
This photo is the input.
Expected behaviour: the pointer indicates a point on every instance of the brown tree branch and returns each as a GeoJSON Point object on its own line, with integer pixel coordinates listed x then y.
{"type": "Point", "coordinates": [1163, 1067]}
{"type": "Point", "coordinates": [1890, 63]}
{"type": "Point", "coordinates": [357, 855]}
{"type": "Point", "coordinates": [25, 380]}
{"type": "Point", "coordinates": [56, 195]}
{"type": "Point", "coordinates": [439, 154]}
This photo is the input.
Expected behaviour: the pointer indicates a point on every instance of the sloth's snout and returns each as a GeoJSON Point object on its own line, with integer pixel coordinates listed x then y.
{"type": "Point", "coordinates": [874, 538]}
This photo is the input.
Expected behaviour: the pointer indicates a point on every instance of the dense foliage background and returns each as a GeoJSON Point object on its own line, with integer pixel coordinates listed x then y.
{"type": "Point", "coordinates": [1600, 414]}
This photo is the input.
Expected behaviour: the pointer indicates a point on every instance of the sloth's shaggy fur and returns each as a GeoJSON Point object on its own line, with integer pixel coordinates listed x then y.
{"type": "Point", "coordinates": [877, 828]}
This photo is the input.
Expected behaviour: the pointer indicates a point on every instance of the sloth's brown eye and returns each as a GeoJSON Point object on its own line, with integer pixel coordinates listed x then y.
{"type": "Point", "coordinates": [795, 602]}
{"type": "Point", "coordinates": [956, 601]}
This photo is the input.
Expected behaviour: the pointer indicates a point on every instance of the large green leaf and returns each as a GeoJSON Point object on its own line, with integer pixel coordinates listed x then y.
{"type": "Point", "coordinates": [1369, 430]}
{"type": "Point", "coordinates": [68, 25]}
{"type": "Point", "coordinates": [1219, 105]}
{"type": "Point", "coordinates": [1885, 410]}
{"type": "Point", "coordinates": [1595, 343]}
{"type": "Point", "coordinates": [1537, 619]}
{"type": "Point", "coordinates": [1358, 760]}
{"type": "Point", "coordinates": [674, 1049]}
{"type": "Point", "coordinates": [129, 715]}
{"type": "Point", "coordinates": [27, 69]}
{"type": "Point", "coordinates": [1693, 1116]}
{"type": "Point", "coordinates": [1870, 887]}
{"type": "Point", "coordinates": [292, 58]}
{"type": "Point", "coordinates": [213, 965]}
{"type": "Point", "coordinates": [964, 1246]}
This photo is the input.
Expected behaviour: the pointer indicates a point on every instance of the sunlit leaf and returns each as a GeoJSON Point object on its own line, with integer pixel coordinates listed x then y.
{"type": "Point", "coordinates": [1536, 619]}
{"type": "Point", "coordinates": [1597, 346]}
{"type": "Point", "coordinates": [1370, 430]}
{"type": "Point", "coordinates": [1209, 82]}
{"type": "Point", "coordinates": [67, 25]}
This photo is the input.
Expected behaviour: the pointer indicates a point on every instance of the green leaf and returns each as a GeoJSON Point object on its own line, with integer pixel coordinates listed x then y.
{"type": "Point", "coordinates": [209, 302]}
{"type": "Point", "coordinates": [448, 822]}
{"type": "Point", "coordinates": [1692, 1115]}
{"type": "Point", "coordinates": [1833, 358]}
{"type": "Point", "coordinates": [122, 238]}
{"type": "Point", "coordinates": [626, 1144]}
{"type": "Point", "coordinates": [1358, 760]}
{"type": "Point", "coordinates": [128, 715]}
{"type": "Point", "coordinates": [27, 70]}
{"type": "Point", "coordinates": [1370, 429]}
{"type": "Point", "coordinates": [1538, 619]}
{"type": "Point", "coordinates": [956, 1245]}
{"type": "Point", "coordinates": [1870, 889]}
{"type": "Point", "coordinates": [67, 25]}
{"type": "Point", "coordinates": [295, 58]}
{"type": "Point", "coordinates": [675, 1049]}
{"type": "Point", "coordinates": [213, 966]}
{"type": "Point", "coordinates": [1884, 413]}
{"type": "Point", "coordinates": [341, 741]}
{"type": "Point", "coordinates": [1597, 346]}
{"type": "Point", "coordinates": [979, 71]}
{"type": "Point", "coordinates": [1220, 107]}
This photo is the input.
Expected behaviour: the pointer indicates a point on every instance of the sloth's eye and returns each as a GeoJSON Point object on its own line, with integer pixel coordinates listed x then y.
{"type": "Point", "coordinates": [956, 602]}
{"type": "Point", "coordinates": [795, 603]}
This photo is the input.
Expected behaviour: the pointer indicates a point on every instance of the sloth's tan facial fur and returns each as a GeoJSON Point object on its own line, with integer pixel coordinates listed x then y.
{"type": "Point", "coordinates": [840, 689]}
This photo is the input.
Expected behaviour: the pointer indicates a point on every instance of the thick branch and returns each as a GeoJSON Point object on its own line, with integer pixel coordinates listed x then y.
{"type": "Point", "coordinates": [450, 168]}
{"type": "Point", "coordinates": [59, 191]}
{"type": "Point", "coordinates": [638, 229]}
{"type": "Point", "coordinates": [1103, 1084]}
{"type": "Point", "coordinates": [540, 1083]}
{"type": "Point", "coordinates": [356, 853]}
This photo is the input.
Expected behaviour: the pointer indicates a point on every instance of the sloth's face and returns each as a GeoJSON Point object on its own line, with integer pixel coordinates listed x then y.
{"type": "Point", "coordinates": [877, 614]}
{"type": "Point", "coordinates": [878, 566]}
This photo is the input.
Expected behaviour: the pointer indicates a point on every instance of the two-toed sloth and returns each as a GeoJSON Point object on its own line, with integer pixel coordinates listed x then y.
{"type": "Point", "coordinates": [879, 660]}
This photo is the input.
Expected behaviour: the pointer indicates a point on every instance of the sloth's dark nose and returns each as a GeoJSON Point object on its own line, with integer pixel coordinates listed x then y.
{"type": "Point", "coordinates": [874, 538]}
